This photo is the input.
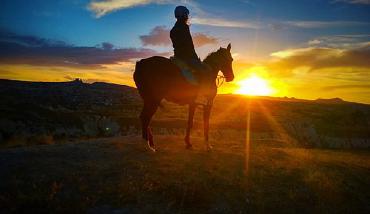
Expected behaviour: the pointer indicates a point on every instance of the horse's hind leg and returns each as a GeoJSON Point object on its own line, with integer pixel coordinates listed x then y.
{"type": "Point", "coordinates": [146, 115]}
{"type": "Point", "coordinates": [206, 115]}
{"type": "Point", "coordinates": [190, 126]}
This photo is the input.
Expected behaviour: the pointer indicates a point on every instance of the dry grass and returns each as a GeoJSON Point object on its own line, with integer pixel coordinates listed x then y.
{"type": "Point", "coordinates": [121, 175]}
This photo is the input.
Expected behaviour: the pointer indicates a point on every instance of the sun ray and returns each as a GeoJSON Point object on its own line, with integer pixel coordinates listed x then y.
{"type": "Point", "coordinates": [276, 126]}
{"type": "Point", "coordinates": [247, 141]}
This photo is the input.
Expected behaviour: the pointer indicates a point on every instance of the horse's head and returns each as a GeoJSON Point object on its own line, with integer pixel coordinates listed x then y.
{"type": "Point", "coordinates": [226, 60]}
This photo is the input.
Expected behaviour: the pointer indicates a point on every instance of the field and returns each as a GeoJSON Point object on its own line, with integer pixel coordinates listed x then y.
{"type": "Point", "coordinates": [119, 175]}
{"type": "Point", "coordinates": [297, 160]}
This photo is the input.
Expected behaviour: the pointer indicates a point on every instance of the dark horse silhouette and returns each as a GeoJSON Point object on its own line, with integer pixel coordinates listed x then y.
{"type": "Point", "coordinates": [159, 78]}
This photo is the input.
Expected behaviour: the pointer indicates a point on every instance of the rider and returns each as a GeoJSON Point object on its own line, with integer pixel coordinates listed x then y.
{"type": "Point", "coordinates": [184, 48]}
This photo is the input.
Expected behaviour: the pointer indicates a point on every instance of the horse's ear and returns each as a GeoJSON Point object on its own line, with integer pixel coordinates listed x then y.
{"type": "Point", "coordinates": [229, 47]}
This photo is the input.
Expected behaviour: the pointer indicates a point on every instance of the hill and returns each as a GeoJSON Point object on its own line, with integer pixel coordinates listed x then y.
{"type": "Point", "coordinates": [45, 113]}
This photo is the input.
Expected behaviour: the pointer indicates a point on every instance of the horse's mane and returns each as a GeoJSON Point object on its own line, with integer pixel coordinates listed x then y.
{"type": "Point", "coordinates": [212, 56]}
{"type": "Point", "coordinates": [215, 58]}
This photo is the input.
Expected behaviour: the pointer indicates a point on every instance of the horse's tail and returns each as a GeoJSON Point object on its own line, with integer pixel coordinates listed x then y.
{"type": "Point", "coordinates": [138, 76]}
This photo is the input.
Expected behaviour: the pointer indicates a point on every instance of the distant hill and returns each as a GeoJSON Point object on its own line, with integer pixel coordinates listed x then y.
{"type": "Point", "coordinates": [62, 109]}
{"type": "Point", "coordinates": [332, 100]}
{"type": "Point", "coordinates": [48, 112]}
{"type": "Point", "coordinates": [73, 94]}
{"type": "Point", "coordinates": [291, 99]}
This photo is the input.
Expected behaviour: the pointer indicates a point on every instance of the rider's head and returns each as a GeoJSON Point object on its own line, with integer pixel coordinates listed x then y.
{"type": "Point", "coordinates": [181, 13]}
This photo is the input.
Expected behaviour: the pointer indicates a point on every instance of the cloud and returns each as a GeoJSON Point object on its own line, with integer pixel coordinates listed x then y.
{"type": "Point", "coordinates": [107, 46]}
{"type": "Point", "coordinates": [103, 7]}
{"type": "Point", "coordinates": [18, 49]}
{"type": "Point", "coordinates": [201, 39]}
{"type": "Point", "coordinates": [354, 60]}
{"type": "Point", "coordinates": [354, 1]}
{"type": "Point", "coordinates": [314, 42]}
{"type": "Point", "coordinates": [316, 24]}
{"type": "Point", "coordinates": [344, 87]}
{"type": "Point", "coordinates": [330, 57]}
{"type": "Point", "coordinates": [341, 41]}
{"type": "Point", "coordinates": [160, 36]}
{"type": "Point", "coordinates": [217, 22]}
{"type": "Point", "coordinates": [27, 40]}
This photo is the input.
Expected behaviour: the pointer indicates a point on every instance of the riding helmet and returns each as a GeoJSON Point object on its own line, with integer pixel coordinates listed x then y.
{"type": "Point", "coordinates": [181, 12]}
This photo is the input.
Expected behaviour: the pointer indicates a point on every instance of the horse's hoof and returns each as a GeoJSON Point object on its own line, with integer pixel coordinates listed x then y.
{"type": "Point", "coordinates": [189, 146]}
{"type": "Point", "coordinates": [151, 147]}
{"type": "Point", "coordinates": [209, 148]}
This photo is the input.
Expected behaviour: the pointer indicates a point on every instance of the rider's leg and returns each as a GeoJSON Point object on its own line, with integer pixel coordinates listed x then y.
{"type": "Point", "coordinates": [203, 91]}
{"type": "Point", "coordinates": [201, 74]}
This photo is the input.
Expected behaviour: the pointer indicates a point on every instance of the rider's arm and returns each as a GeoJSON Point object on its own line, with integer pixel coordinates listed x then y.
{"type": "Point", "coordinates": [190, 44]}
{"type": "Point", "coordinates": [183, 43]}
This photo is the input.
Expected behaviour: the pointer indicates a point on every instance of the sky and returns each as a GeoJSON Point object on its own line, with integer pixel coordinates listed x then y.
{"type": "Point", "coordinates": [305, 49]}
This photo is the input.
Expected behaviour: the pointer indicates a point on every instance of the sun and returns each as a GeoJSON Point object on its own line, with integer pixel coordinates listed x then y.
{"type": "Point", "coordinates": [254, 85]}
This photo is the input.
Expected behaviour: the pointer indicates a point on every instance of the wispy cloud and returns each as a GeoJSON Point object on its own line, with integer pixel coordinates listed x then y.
{"type": "Point", "coordinates": [341, 41]}
{"type": "Point", "coordinates": [317, 24]}
{"type": "Point", "coordinates": [344, 87]}
{"type": "Point", "coordinates": [102, 7]}
{"type": "Point", "coordinates": [316, 58]}
{"type": "Point", "coordinates": [160, 36]}
{"type": "Point", "coordinates": [217, 22]}
{"type": "Point", "coordinates": [19, 49]}
{"type": "Point", "coordinates": [307, 24]}
{"type": "Point", "coordinates": [354, 1]}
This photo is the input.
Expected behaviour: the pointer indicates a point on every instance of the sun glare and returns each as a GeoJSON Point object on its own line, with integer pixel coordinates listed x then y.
{"type": "Point", "coordinates": [255, 86]}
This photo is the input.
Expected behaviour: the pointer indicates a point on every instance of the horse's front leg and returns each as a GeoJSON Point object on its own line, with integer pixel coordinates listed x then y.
{"type": "Point", "coordinates": [206, 115]}
{"type": "Point", "coordinates": [189, 126]}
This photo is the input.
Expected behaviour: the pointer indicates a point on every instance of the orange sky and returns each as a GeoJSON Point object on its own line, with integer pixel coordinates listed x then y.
{"type": "Point", "coordinates": [307, 73]}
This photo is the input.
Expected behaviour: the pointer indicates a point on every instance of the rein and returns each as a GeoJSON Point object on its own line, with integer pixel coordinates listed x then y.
{"type": "Point", "coordinates": [220, 79]}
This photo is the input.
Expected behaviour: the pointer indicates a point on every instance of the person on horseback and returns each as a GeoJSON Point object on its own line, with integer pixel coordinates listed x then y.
{"type": "Point", "coordinates": [184, 50]}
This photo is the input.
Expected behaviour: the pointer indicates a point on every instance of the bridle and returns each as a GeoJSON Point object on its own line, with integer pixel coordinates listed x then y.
{"type": "Point", "coordinates": [220, 79]}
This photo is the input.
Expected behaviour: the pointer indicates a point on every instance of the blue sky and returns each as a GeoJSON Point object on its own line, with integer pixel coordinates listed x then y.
{"type": "Point", "coordinates": [261, 32]}
{"type": "Point", "coordinates": [73, 22]}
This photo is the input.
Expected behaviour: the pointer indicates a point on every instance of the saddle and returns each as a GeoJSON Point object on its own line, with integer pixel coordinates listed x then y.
{"type": "Point", "coordinates": [187, 72]}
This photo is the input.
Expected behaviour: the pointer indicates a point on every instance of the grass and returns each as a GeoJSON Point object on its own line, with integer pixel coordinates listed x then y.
{"type": "Point", "coordinates": [121, 175]}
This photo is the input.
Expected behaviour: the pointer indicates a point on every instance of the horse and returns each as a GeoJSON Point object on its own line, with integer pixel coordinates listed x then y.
{"type": "Point", "coordinates": [158, 78]}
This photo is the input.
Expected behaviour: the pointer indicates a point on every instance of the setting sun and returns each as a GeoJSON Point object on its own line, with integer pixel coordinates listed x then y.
{"type": "Point", "coordinates": [254, 85]}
